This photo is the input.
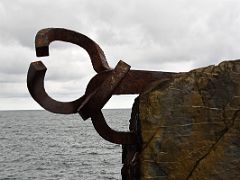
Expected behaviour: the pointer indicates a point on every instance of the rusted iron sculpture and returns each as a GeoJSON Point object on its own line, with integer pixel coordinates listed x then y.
{"type": "Point", "coordinates": [107, 82]}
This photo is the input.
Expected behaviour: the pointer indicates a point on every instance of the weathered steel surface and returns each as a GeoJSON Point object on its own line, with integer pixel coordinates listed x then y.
{"type": "Point", "coordinates": [46, 36]}
{"type": "Point", "coordinates": [134, 82]}
{"type": "Point", "coordinates": [35, 84]}
{"type": "Point", "coordinates": [109, 134]}
{"type": "Point", "coordinates": [103, 92]}
{"type": "Point", "coordinates": [101, 87]}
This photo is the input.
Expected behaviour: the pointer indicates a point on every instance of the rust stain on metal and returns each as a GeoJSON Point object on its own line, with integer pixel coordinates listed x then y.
{"type": "Point", "coordinates": [107, 82]}
{"type": "Point", "coordinates": [46, 36]}
{"type": "Point", "coordinates": [104, 91]}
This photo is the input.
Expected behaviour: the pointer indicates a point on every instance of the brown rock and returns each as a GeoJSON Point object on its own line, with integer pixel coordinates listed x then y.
{"type": "Point", "coordinates": [190, 126]}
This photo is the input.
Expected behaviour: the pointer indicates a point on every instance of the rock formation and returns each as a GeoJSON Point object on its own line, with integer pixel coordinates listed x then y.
{"type": "Point", "coordinates": [188, 127]}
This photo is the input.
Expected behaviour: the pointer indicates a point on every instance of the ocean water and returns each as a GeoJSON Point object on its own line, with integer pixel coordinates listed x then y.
{"type": "Point", "coordinates": [43, 145]}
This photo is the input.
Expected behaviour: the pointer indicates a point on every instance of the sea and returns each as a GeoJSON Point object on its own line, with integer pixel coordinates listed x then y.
{"type": "Point", "coordinates": [48, 146]}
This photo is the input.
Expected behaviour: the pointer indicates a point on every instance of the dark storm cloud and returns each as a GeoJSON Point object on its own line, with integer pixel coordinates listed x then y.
{"type": "Point", "coordinates": [175, 35]}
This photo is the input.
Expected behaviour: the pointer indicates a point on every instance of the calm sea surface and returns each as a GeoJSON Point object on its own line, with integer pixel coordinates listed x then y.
{"type": "Point", "coordinates": [42, 145]}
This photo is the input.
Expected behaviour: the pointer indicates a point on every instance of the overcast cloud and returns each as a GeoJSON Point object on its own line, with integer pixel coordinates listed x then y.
{"type": "Point", "coordinates": [166, 35]}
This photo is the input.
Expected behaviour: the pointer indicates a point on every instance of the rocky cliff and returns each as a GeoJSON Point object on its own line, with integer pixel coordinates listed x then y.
{"type": "Point", "coordinates": [188, 127]}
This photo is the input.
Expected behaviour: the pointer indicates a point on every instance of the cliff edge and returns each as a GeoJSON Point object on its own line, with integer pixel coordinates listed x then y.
{"type": "Point", "coordinates": [188, 127]}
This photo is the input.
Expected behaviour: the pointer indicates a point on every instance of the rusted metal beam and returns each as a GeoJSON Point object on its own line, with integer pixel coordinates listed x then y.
{"type": "Point", "coordinates": [134, 82]}
{"type": "Point", "coordinates": [101, 87]}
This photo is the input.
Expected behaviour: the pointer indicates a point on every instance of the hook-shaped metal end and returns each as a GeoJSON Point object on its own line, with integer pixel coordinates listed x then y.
{"type": "Point", "coordinates": [109, 134]}
{"type": "Point", "coordinates": [45, 36]}
{"type": "Point", "coordinates": [94, 102]}
{"type": "Point", "coordinates": [42, 41]}
{"type": "Point", "coordinates": [35, 84]}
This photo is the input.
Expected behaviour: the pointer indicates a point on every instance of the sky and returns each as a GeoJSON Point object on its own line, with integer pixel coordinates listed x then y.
{"type": "Point", "coordinates": [163, 35]}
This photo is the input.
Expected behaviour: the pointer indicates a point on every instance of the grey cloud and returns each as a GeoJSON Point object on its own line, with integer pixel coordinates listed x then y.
{"type": "Point", "coordinates": [68, 64]}
{"type": "Point", "coordinates": [187, 31]}
{"type": "Point", "coordinates": [199, 32]}
{"type": "Point", "coordinates": [14, 59]}
{"type": "Point", "coordinates": [164, 35]}
{"type": "Point", "coordinates": [10, 90]}
{"type": "Point", "coordinates": [21, 20]}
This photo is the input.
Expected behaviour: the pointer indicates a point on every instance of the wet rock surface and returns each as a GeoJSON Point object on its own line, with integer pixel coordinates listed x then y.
{"type": "Point", "coordinates": [190, 125]}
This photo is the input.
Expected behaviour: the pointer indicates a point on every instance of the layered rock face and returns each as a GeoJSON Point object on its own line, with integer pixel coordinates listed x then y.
{"type": "Point", "coordinates": [189, 126]}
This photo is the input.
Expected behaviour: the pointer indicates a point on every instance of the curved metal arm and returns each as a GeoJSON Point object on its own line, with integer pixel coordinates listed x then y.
{"type": "Point", "coordinates": [94, 102]}
{"type": "Point", "coordinates": [109, 134]}
{"type": "Point", "coordinates": [37, 70]}
{"type": "Point", "coordinates": [35, 84]}
{"type": "Point", "coordinates": [45, 36]}
{"type": "Point", "coordinates": [96, 95]}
